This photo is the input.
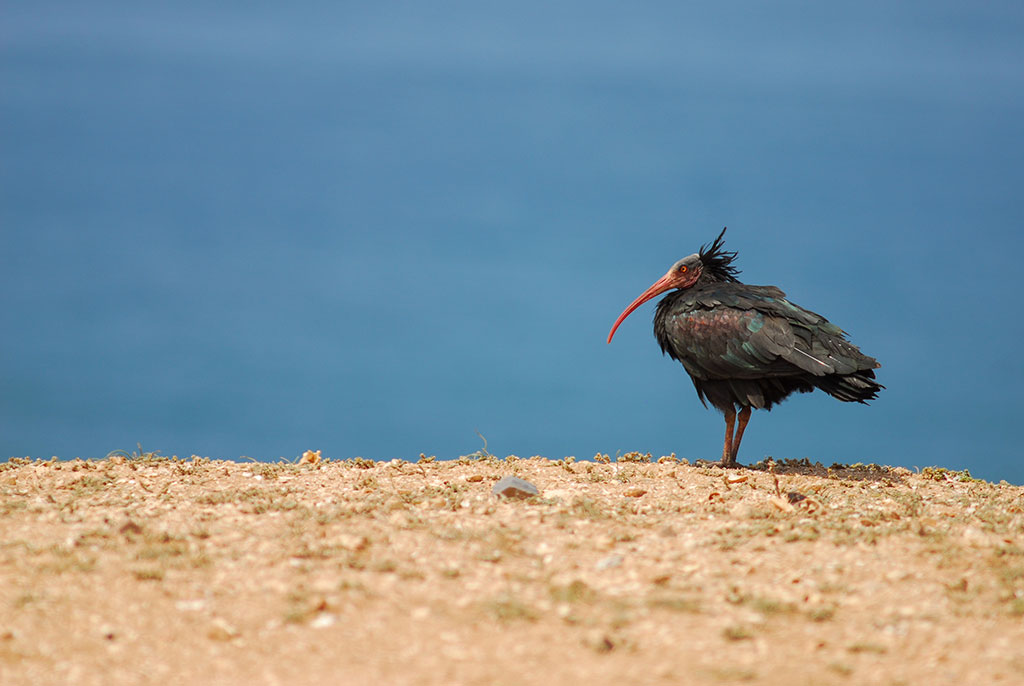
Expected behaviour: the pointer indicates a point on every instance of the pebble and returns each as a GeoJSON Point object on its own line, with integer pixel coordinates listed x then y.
{"type": "Point", "coordinates": [599, 641]}
{"type": "Point", "coordinates": [191, 605]}
{"type": "Point", "coordinates": [353, 542]}
{"type": "Point", "coordinates": [222, 630]}
{"type": "Point", "coordinates": [324, 620]}
{"type": "Point", "coordinates": [514, 487]}
{"type": "Point", "coordinates": [608, 562]}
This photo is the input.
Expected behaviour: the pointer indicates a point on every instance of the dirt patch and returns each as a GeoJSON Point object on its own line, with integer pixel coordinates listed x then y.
{"type": "Point", "coordinates": [156, 571]}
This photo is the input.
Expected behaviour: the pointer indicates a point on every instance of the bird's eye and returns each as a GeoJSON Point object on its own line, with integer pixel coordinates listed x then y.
{"type": "Point", "coordinates": [682, 269]}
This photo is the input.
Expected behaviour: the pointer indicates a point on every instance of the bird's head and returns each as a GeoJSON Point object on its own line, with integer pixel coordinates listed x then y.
{"type": "Point", "coordinates": [712, 261]}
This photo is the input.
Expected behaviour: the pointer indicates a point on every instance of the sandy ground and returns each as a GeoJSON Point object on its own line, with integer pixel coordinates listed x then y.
{"type": "Point", "coordinates": [166, 571]}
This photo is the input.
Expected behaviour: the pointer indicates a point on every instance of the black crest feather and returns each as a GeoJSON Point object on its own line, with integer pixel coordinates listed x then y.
{"type": "Point", "coordinates": [718, 262]}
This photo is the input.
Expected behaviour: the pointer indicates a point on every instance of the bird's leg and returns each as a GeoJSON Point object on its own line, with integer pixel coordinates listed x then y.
{"type": "Point", "coordinates": [740, 428]}
{"type": "Point", "coordinates": [727, 455]}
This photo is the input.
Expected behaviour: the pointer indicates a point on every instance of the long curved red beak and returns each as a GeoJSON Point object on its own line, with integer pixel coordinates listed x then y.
{"type": "Point", "coordinates": [663, 284]}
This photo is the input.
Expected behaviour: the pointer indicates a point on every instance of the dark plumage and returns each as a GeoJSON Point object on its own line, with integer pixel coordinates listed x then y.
{"type": "Point", "coordinates": [747, 346]}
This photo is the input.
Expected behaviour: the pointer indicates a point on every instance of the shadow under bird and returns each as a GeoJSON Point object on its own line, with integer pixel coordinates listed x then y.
{"type": "Point", "coordinates": [747, 346]}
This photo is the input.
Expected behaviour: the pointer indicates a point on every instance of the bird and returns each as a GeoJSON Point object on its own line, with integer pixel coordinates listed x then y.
{"type": "Point", "coordinates": [747, 347]}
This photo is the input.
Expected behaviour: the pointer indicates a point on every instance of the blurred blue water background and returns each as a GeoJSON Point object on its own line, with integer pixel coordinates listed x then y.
{"type": "Point", "coordinates": [235, 229]}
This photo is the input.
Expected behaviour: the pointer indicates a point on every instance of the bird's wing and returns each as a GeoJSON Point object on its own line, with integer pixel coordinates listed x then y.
{"type": "Point", "coordinates": [728, 343]}
{"type": "Point", "coordinates": [754, 332]}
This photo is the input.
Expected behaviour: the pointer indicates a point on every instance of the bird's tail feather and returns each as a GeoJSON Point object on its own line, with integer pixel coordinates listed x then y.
{"type": "Point", "coordinates": [859, 386]}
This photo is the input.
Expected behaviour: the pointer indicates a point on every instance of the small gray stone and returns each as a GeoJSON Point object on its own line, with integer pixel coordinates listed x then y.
{"type": "Point", "coordinates": [608, 562]}
{"type": "Point", "coordinates": [514, 487]}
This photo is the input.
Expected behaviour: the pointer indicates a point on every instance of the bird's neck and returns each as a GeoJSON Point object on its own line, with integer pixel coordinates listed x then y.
{"type": "Point", "coordinates": [709, 277]}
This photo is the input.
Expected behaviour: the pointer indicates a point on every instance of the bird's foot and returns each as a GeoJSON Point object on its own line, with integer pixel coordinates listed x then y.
{"type": "Point", "coordinates": [721, 464]}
